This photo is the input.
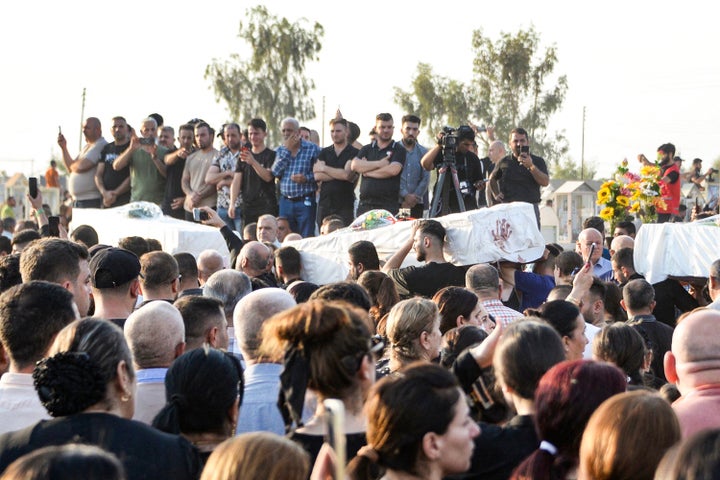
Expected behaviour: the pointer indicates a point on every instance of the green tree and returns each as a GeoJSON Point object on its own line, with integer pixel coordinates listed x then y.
{"type": "Point", "coordinates": [513, 85]}
{"type": "Point", "coordinates": [438, 101]}
{"type": "Point", "coordinates": [270, 84]}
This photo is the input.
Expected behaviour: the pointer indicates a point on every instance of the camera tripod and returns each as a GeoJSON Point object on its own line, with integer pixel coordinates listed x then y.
{"type": "Point", "coordinates": [439, 186]}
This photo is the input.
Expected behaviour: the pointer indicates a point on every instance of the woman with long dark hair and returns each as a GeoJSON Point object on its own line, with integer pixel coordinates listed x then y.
{"type": "Point", "coordinates": [203, 388]}
{"type": "Point", "coordinates": [419, 425]}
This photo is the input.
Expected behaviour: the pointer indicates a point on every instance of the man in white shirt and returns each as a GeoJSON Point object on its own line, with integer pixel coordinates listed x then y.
{"type": "Point", "coordinates": [31, 315]}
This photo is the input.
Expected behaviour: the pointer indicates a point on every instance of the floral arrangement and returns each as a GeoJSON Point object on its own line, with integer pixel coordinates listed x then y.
{"type": "Point", "coordinates": [628, 192]}
{"type": "Point", "coordinates": [373, 219]}
{"type": "Point", "coordinates": [646, 198]}
{"type": "Point", "coordinates": [614, 196]}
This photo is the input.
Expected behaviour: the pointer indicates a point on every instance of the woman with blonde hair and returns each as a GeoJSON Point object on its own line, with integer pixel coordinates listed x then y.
{"type": "Point", "coordinates": [413, 330]}
{"type": "Point", "coordinates": [627, 437]}
{"type": "Point", "coordinates": [257, 456]}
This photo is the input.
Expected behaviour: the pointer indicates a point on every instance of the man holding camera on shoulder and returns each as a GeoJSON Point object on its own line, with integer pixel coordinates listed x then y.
{"type": "Point", "coordinates": [518, 176]}
{"type": "Point", "coordinates": [470, 171]}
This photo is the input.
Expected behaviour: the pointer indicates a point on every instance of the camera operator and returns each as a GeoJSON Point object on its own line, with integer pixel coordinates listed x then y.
{"type": "Point", "coordinates": [470, 170]}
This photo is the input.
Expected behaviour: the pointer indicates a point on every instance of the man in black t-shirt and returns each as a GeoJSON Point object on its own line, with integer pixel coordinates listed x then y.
{"type": "Point", "coordinates": [519, 176]}
{"type": "Point", "coordinates": [332, 168]}
{"type": "Point", "coordinates": [427, 238]}
{"type": "Point", "coordinates": [380, 165]}
{"type": "Point", "coordinates": [114, 185]}
{"type": "Point", "coordinates": [470, 172]}
{"type": "Point", "coordinates": [253, 178]}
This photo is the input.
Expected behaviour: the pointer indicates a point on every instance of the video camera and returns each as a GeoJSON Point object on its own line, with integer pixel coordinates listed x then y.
{"type": "Point", "coordinates": [448, 141]}
{"type": "Point", "coordinates": [449, 138]}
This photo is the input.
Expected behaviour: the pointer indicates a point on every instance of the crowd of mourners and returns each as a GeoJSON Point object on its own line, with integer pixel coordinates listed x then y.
{"type": "Point", "coordinates": [126, 361]}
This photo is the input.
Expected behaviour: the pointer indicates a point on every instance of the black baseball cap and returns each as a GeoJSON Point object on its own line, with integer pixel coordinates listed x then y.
{"type": "Point", "coordinates": [112, 267]}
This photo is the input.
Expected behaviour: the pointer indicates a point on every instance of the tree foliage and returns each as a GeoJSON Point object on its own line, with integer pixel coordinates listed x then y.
{"type": "Point", "coordinates": [271, 83]}
{"type": "Point", "coordinates": [513, 85]}
{"type": "Point", "coordinates": [437, 100]}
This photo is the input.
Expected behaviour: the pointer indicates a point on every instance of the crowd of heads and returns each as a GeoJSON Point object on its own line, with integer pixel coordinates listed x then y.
{"type": "Point", "coordinates": [422, 375]}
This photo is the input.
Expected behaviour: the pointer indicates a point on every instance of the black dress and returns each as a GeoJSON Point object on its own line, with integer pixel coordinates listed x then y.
{"type": "Point", "coordinates": [145, 453]}
{"type": "Point", "coordinates": [313, 443]}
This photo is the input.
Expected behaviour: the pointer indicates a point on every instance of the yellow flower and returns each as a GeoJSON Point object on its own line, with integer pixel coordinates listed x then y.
{"type": "Point", "coordinates": [603, 195]}
{"type": "Point", "coordinates": [622, 200]}
{"type": "Point", "coordinates": [607, 213]}
{"type": "Point", "coordinates": [649, 171]}
{"type": "Point", "coordinates": [635, 207]}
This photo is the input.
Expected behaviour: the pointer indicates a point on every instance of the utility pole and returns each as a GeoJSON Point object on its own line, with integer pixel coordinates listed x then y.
{"type": "Point", "coordinates": [323, 122]}
{"type": "Point", "coordinates": [582, 153]}
{"type": "Point", "coordinates": [82, 117]}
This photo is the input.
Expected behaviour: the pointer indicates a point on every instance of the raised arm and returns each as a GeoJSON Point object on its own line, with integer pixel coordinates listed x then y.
{"type": "Point", "coordinates": [397, 258]}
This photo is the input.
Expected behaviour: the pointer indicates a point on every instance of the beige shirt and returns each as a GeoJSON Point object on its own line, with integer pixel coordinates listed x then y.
{"type": "Point", "coordinates": [197, 166]}
{"type": "Point", "coordinates": [82, 185]}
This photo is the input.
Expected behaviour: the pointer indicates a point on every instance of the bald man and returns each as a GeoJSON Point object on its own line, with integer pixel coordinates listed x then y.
{"type": "Point", "coordinates": [602, 268]}
{"type": "Point", "coordinates": [155, 334]}
{"type": "Point", "coordinates": [496, 152]}
{"type": "Point", "coordinates": [714, 285]}
{"type": "Point", "coordinates": [209, 262]}
{"type": "Point", "coordinates": [621, 241]}
{"type": "Point", "coordinates": [693, 364]}
{"type": "Point", "coordinates": [81, 183]}
{"type": "Point", "coordinates": [259, 411]}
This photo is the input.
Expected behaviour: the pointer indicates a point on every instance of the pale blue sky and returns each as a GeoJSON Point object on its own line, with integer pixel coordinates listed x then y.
{"type": "Point", "coordinates": [647, 71]}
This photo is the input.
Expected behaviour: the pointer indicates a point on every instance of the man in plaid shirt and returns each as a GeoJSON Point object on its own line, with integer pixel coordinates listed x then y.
{"type": "Point", "coordinates": [294, 167]}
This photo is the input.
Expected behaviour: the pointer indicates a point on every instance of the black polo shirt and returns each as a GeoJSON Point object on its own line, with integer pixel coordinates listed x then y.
{"type": "Point", "coordinates": [381, 190]}
{"type": "Point", "coordinates": [337, 190]}
{"type": "Point", "coordinates": [516, 182]}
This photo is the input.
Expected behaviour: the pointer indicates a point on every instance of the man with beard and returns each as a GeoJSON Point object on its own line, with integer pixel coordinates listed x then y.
{"type": "Point", "coordinates": [414, 179]}
{"type": "Point", "coordinates": [670, 187]}
{"type": "Point", "coordinates": [175, 164]}
{"type": "Point", "coordinates": [114, 185]}
{"type": "Point", "coordinates": [147, 164]}
{"type": "Point", "coordinates": [380, 164]}
{"type": "Point", "coordinates": [427, 239]}
{"type": "Point", "coordinates": [519, 176]}
{"type": "Point", "coordinates": [221, 173]}
{"type": "Point", "coordinates": [199, 193]}
{"type": "Point", "coordinates": [332, 168]}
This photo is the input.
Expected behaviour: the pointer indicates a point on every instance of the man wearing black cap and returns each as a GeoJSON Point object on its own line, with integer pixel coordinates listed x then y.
{"type": "Point", "coordinates": [115, 283]}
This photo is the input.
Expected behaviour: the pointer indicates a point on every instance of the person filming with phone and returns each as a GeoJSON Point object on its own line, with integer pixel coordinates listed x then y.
{"type": "Point", "coordinates": [519, 176]}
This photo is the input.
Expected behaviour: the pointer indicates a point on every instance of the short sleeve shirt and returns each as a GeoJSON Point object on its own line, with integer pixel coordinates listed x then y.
{"type": "Point", "coordinates": [381, 190]}
{"type": "Point", "coordinates": [516, 182]}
